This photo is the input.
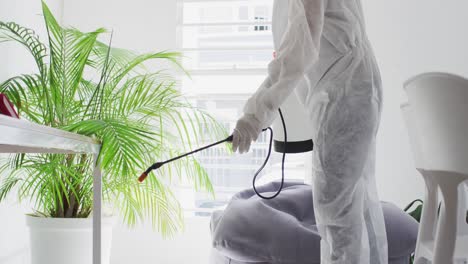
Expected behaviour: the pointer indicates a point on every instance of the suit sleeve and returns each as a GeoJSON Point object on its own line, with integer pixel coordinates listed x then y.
{"type": "Point", "coordinates": [298, 51]}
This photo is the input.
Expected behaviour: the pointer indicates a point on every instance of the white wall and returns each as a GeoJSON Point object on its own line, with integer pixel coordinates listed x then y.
{"type": "Point", "coordinates": [140, 25]}
{"type": "Point", "coordinates": [409, 37]}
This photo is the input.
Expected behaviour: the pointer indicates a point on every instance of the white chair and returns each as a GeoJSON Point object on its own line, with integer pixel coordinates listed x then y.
{"type": "Point", "coordinates": [437, 122]}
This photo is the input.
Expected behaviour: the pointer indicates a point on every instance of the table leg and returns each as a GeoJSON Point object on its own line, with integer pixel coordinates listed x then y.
{"type": "Point", "coordinates": [97, 200]}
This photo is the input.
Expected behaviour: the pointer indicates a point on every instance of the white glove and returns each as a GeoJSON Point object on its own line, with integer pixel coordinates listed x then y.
{"type": "Point", "coordinates": [247, 130]}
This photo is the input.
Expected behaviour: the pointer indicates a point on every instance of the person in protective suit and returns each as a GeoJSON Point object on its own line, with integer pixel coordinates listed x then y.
{"type": "Point", "coordinates": [324, 56]}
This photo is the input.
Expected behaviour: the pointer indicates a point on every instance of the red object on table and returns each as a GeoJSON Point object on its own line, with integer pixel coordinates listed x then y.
{"type": "Point", "coordinates": [6, 107]}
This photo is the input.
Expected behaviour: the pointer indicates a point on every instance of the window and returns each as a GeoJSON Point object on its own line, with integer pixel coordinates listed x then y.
{"type": "Point", "coordinates": [225, 35]}
{"type": "Point", "coordinates": [227, 46]}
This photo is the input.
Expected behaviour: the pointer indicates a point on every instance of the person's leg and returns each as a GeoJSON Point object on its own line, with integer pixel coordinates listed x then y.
{"type": "Point", "coordinates": [373, 216]}
{"type": "Point", "coordinates": [340, 223]}
{"type": "Point", "coordinates": [344, 145]}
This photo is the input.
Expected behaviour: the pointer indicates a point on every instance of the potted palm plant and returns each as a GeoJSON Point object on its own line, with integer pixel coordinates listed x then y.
{"type": "Point", "coordinates": [85, 86]}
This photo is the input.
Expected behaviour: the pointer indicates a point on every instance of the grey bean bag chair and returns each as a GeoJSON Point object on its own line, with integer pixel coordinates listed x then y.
{"type": "Point", "coordinates": [283, 231]}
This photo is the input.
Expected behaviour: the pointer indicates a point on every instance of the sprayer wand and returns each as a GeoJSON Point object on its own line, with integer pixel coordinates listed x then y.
{"type": "Point", "coordinates": [158, 165]}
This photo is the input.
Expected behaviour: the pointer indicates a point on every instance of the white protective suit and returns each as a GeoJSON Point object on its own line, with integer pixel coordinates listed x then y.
{"type": "Point", "coordinates": [324, 56]}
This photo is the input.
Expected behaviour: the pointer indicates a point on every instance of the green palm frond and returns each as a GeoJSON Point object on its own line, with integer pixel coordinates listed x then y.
{"type": "Point", "coordinates": [135, 112]}
{"type": "Point", "coordinates": [97, 58]}
{"type": "Point", "coordinates": [68, 57]}
{"type": "Point", "coordinates": [146, 96]}
{"type": "Point", "coordinates": [7, 186]}
{"type": "Point", "coordinates": [26, 37]}
{"type": "Point", "coordinates": [138, 61]}
{"type": "Point", "coordinates": [26, 92]}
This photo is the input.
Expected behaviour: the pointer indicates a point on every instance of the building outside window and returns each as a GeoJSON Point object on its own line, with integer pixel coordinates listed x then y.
{"type": "Point", "coordinates": [227, 46]}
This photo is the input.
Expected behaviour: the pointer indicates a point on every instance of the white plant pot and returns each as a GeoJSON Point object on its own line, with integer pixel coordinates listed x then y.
{"type": "Point", "coordinates": [67, 240]}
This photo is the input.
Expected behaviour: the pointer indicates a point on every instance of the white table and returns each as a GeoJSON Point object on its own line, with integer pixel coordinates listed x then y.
{"type": "Point", "coordinates": [20, 136]}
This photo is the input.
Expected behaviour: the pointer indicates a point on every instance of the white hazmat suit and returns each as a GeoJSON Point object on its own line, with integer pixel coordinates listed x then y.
{"type": "Point", "coordinates": [324, 56]}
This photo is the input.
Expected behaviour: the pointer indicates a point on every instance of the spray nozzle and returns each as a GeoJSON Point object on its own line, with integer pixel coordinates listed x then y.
{"type": "Point", "coordinates": [145, 174]}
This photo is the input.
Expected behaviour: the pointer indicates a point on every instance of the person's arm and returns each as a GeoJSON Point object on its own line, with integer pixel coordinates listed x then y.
{"type": "Point", "coordinates": [299, 50]}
